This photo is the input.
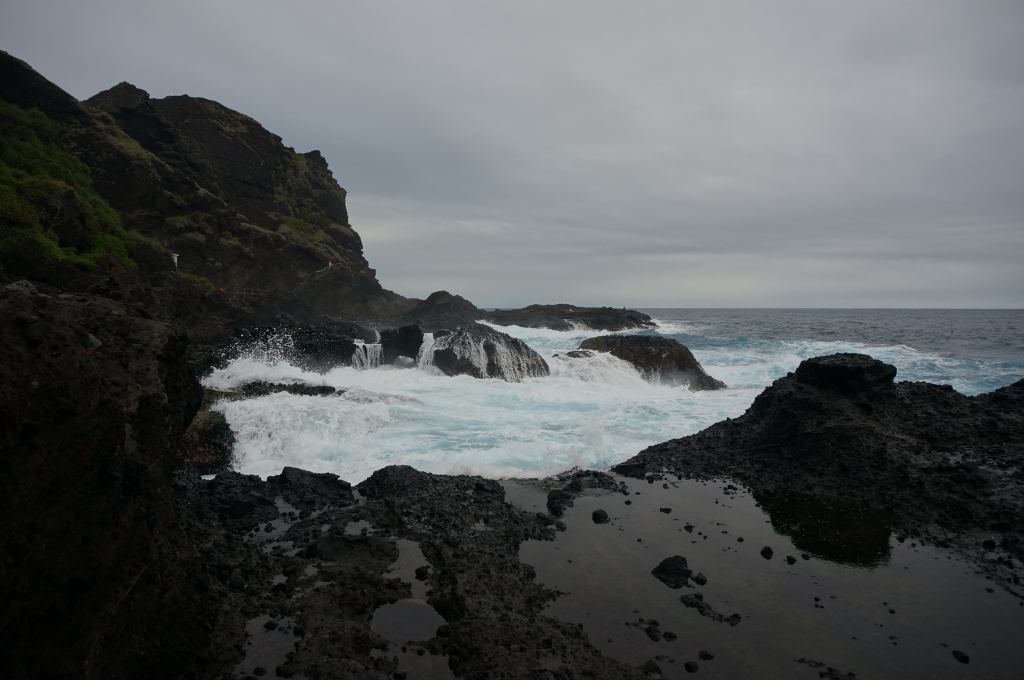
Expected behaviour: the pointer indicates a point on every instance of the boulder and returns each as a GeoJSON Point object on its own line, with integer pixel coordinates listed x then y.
{"type": "Point", "coordinates": [848, 373]}
{"type": "Point", "coordinates": [658, 359]}
{"type": "Point", "coordinates": [483, 352]}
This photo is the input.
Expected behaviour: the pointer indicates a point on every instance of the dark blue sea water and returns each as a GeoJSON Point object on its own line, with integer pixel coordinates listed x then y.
{"type": "Point", "coordinates": [975, 350]}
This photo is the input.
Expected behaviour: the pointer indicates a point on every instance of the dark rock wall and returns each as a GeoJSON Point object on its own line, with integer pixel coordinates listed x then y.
{"type": "Point", "coordinates": [93, 400]}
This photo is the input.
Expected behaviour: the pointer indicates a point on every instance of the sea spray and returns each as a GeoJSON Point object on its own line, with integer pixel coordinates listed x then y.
{"type": "Point", "coordinates": [367, 355]}
{"type": "Point", "coordinates": [592, 412]}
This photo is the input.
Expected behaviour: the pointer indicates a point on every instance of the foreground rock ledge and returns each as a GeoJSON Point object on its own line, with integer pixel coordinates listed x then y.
{"type": "Point", "coordinates": [950, 467]}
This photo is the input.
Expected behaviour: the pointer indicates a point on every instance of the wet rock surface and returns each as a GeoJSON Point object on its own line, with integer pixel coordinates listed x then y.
{"type": "Point", "coordinates": [659, 359]}
{"type": "Point", "coordinates": [570, 317]}
{"type": "Point", "coordinates": [332, 578]}
{"type": "Point", "coordinates": [482, 352]}
{"type": "Point", "coordinates": [945, 468]}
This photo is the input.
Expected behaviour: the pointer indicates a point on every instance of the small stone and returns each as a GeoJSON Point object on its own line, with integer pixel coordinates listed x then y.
{"type": "Point", "coordinates": [989, 590]}
{"type": "Point", "coordinates": [651, 667]}
{"type": "Point", "coordinates": [673, 571]}
{"type": "Point", "coordinates": [669, 635]}
{"type": "Point", "coordinates": [600, 517]}
{"type": "Point", "coordinates": [766, 552]}
{"type": "Point", "coordinates": [892, 611]}
{"type": "Point", "coordinates": [270, 625]}
{"type": "Point", "coordinates": [739, 540]}
{"type": "Point", "coordinates": [665, 510]}
{"type": "Point", "coordinates": [700, 579]}
{"type": "Point", "coordinates": [733, 619]}
{"type": "Point", "coordinates": [790, 559]}
{"type": "Point", "coordinates": [259, 671]}
{"type": "Point", "coordinates": [422, 573]}
{"type": "Point", "coordinates": [961, 657]}
{"type": "Point", "coordinates": [705, 655]}
{"type": "Point", "coordinates": [690, 666]}
{"type": "Point", "coordinates": [629, 502]}
{"type": "Point", "coordinates": [653, 633]}
{"type": "Point", "coordinates": [688, 528]}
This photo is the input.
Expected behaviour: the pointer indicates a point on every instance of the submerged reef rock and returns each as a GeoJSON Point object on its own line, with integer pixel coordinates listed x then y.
{"type": "Point", "coordinates": [658, 359]}
{"type": "Point", "coordinates": [944, 466]}
{"type": "Point", "coordinates": [565, 317]}
{"type": "Point", "coordinates": [482, 352]}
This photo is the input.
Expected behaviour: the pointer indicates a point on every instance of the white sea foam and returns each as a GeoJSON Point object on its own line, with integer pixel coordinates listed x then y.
{"type": "Point", "coordinates": [590, 412]}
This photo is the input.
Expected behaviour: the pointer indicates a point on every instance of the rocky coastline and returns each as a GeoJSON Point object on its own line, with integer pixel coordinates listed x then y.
{"type": "Point", "coordinates": [117, 560]}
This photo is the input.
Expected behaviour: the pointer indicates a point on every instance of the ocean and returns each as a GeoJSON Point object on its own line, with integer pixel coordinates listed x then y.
{"type": "Point", "coordinates": [590, 413]}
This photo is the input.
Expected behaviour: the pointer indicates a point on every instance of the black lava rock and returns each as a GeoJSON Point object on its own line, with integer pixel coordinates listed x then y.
{"type": "Point", "coordinates": [961, 657]}
{"type": "Point", "coordinates": [790, 559]}
{"type": "Point", "coordinates": [600, 517]}
{"type": "Point", "coordinates": [700, 579]}
{"type": "Point", "coordinates": [767, 552]}
{"type": "Point", "coordinates": [651, 667]}
{"type": "Point", "coordinates": [673, 571]}
{"type": "Point", "coordinates": [690, 666]}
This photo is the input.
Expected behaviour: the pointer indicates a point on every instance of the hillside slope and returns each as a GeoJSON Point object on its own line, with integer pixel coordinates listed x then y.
{"type": "Point", "coordinates": [188, 176]}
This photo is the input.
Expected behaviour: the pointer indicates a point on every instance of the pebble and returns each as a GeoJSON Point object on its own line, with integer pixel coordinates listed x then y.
{"type": "Point", "coordinates": [700, 579]}
{"type": "Point", "coordinates": [690, 666]}
{"type": "Point", "coordinates": [259, 670]}
{"type": "Point", "coordinates": [766, 552]}
{"type": "Point", "coordinates": [790, 559]}
{"type": "Point", "coordinates": [665, 510]}
{"type": "Point", "coordinates": [805, 556]}
{"type": "Point", "coordinates": [629, 502]}
{"type": "Point", "coordinates": [961, 657]}
{"type": "Point", "coordinates": [600, 517]}
{"type": "Point", "coordinates": [705, 655]}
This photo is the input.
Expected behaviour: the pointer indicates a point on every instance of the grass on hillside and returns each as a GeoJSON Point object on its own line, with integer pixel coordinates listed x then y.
{"type": "Point", "coordinates": [44, 189]}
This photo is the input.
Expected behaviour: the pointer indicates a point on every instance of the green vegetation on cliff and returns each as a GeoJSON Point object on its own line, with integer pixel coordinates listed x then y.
{"type": "Point", "coordinates": [47, 202]}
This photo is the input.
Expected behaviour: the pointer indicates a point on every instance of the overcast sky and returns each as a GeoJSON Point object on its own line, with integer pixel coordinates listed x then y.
{"type": "Point", "coordinates": [676, 154]}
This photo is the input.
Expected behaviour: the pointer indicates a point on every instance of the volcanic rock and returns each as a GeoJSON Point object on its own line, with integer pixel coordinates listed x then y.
{"type": "Point", "coordinates": [658, 359]}
{"type": "Point", "coordinates": [482, 352]}
{"type": "Point", "coordinates": [672, 571]}
{"type": "Point", "coordinates": [840, 429]}
{"type": "Point", "coordinates": [564, 317]}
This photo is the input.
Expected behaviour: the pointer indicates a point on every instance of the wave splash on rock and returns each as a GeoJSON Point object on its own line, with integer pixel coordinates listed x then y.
{"type": "Point", "coordinates": [482, 352]}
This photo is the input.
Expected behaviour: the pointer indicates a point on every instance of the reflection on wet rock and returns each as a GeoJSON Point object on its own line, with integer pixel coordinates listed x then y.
{"type": "Point", "coordinates": [831, 530]}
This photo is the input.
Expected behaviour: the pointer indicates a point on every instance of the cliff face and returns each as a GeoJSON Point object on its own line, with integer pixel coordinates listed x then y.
{"type": "Point", "coordinates": [190, 177]}
{"type": "Point", "coordinates": [94, 563]}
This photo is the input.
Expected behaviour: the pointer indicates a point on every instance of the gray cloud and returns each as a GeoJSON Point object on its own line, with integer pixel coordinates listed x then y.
{"type": "Point", "coordinates": [660, 153]}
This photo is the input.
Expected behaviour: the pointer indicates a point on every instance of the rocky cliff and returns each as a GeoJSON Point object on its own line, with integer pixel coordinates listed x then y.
{"type": "Point", "coordinates": [147, 179]}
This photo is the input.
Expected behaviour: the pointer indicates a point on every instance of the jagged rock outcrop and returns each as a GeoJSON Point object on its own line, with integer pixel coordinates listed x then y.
{"type": "Point", "coordinates": [839, 427]}
{"type": "Point", "coordinates": [482, 352]}
{"type": "Point", "coordinates": [563, 317]}
{"type": "Point", "coordinates": [659, 359]}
